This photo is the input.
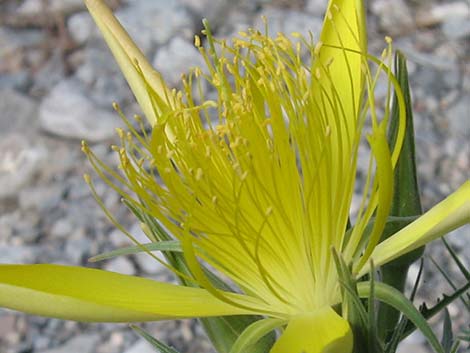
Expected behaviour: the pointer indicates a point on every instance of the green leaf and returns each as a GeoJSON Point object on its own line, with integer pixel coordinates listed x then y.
{"type": "Point", "coordinates": [447, 335]}
{"type": "Point", "coordinates": [253, 333]}
{"type": "Point", "coordinates": [351, 303]}
{"type": "Point", "coordinates": [166, 245]}
{"type": "Point", "coordinates": [392, 344]}
{"type": "Point", "coordinates": [159, 346]}
{"type": "Point", "coordinates": [396, 299]}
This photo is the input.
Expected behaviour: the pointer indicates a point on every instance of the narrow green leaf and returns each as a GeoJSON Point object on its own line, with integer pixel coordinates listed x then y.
{"type": "Point", "coordinates": [459, 263]}
{"type": "Point", "coordinates": [397, 335]}
{"type": "Point", "coordinates": [447, 335]}
{"type": "Point", "coordinates": [166, 245]}
{"type": "Point", "coordinates": [357, 315]}
{"type": "Point", "coordinates": [159, 346]}
{"type": "Point", "coordinates": [253, 333]}
{"type": "Point", "coordinates": [397, 300]}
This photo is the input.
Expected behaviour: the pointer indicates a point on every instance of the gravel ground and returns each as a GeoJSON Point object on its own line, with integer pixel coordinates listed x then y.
{"type": "Point", "coordinates": [57, 82]}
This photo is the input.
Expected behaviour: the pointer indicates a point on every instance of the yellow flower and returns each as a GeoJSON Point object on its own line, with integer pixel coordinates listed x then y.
{"type": "Point", "coordinates": [257, 184]}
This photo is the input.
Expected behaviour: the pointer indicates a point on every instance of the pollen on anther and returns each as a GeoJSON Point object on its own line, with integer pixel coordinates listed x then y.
{"type": "Point", "coordinates": [199, 174]}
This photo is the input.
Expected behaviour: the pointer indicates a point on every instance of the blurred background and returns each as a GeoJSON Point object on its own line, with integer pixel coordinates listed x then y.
{"type": "Point", "coordinates": [57, 82]}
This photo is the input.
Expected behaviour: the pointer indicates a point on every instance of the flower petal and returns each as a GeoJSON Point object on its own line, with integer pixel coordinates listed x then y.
{"type": "Point", "coordinates": [146, 83]}
{"type": "Point", "coordinates": [84, 294]}
{"type": "Point", "coordinates": [344, 28]}
{"type": "Point", "coordinates": [322, 331]}
{"type": "Point", "coordinates": [449, 214]}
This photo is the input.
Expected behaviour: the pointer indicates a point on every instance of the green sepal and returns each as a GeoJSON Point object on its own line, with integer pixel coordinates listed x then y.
{"type": "Point", "coordinates": [406, 199]}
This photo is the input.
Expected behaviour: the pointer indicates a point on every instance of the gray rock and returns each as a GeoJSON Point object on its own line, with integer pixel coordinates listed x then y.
{"type": "Point", "coordinates": [18, 112]}
{"type": "Point", "coordinates": [458, 117]}
{"type": "Point", "coordinates": [120, 264]}
{"type": "Point", "coordinates": [394, 16]}
{"type": "Point", "coordinates": [140, 346]}
{"type": "Point", "coordinates": [42, 198]}
{"type": "Point", "coordinates": [118, 239]}
{"type": "Point", "coordinates": [49, 74]}
{"type": "Point", "coordinates": [316, 7]}
{"type": "Point", "coordinates": [176, 58]}
{"type": "Point", "coordinates": [14, 40]}
{"type": "Point", "coordinates": [77, 248]}
{"type": "Point", "coordinates": [67, 112]}
{"type": "Point", "coordinates": [457, 28]}
{"type": "Point", "coordinates": [20, 160]}
{"type": "Point", "coordinates": [214, 11]}
{"type": "Point", "coordinates": [289, 21]}
{"type": "Point", "coordinates": [19, 81]}
{"type": "Point", "coordinates": [17, 254]}
{"type": "Point", "coordinates": [439, 13]}
{"type": "Point", "coordinates": [62, 228]}
{"type": "Point", "coordinates": [101, 75]}
{"type": "Point", "coordinates": [154, 22]}
{"type": "Point", "coordinates": [38, 7]}
{"type": "Point", "coordinates": [81, 27]}
{"type": "Point", "coordinates": [80, 344]}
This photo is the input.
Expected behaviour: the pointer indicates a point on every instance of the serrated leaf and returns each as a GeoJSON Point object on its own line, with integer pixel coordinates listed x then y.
{"type": "Point", "coordinates": [396, 299]}
{"type": "Point", "coordinates": [160, 347]}
{"type": "Point", "coordinates": [441, 305]}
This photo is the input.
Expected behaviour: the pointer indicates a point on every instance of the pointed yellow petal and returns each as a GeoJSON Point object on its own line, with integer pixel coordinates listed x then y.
{"type": "Point", "coordinates": [322, 331]}
{"type": "Point", "coordinates": [446, 216]}
{"type": "Point", "coordinates": [344, 27]}
{"type": "Point", "coordinates": [126, 53]}
{"type": "Point", "coordinates": [82, 294]}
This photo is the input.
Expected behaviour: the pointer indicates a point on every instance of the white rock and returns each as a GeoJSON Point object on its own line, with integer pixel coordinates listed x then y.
{"type": "Point", "coordinates": [394, 16]}
{"type": "Point", "coordinates": [120, 264]}
{"type": "Point", "coordinates": [439, 13]}
{"type": "Point", "coordinates": [67, 112]}
{"type": "Point", "coordinates": [140, 347]}
{"type": "Point", "coordinates": [316, 7]}
{"type": "Point", "coordinates": [456, 28]}
{"type": "Point", "coordinates": [177, 58]}
{"type": "Point", "coordinates": [18, 112]}
{"type": "Point", "coordinates": [19, 162]}
{"type": "Point", "coordinates": [149, 265]}
{"type": "Point", "coordinates": [81, 27]}
{"type": "Point", "coordinates": [16, 254]}
{"type": "Point", "coordinates": [80, 344]}
{"type": "Point", "coordinates": [35, 7]}
{"type": "Point", "coordinates": [14, 40]}
{"type": "Point", "coordinates": [289, 21]}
